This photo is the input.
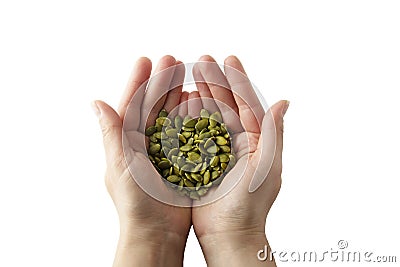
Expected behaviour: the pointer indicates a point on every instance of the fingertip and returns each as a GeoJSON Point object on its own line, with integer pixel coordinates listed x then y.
{"type": "Point", "coordinates": [285, 107]}
{"type": "Point", "coordinates": [143, 60]}
{"type": "Point", "coordinates": [231, 60]}
{"type": "Point", "coordinates": [106, 112]}
{"type": "Point", "coordinates": [279, 109]}
{"type": "Point", "coordinates": [207, 58]}
{"type": "Point", "coordinates": [169, 59]}
{"type": "Point", "coordinates": [234, 63]}
{"type": "Point", "coordinates": [95, 108]}
{"type": "Point", "coordinates": [144, 65]}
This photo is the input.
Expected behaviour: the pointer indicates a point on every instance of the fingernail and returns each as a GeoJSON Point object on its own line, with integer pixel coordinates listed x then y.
{"type": "Point", "coordinates": [285, 107]}
{"type": "Point", "coordinates": [96, 109]}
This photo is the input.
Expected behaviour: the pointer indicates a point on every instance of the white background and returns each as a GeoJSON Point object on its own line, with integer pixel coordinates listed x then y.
{"type": "Point", "coordinates": [338, 62]}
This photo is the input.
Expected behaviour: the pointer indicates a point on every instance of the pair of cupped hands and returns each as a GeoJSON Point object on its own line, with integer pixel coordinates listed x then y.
{"type": "Point", "coordinates": [230, 228]}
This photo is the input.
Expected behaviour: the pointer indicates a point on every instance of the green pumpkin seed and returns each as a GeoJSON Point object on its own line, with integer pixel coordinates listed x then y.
{"type": "Point", "coordinates": [202, 149]}
{"type": "Point", "coordinates": [186, 148]}
{"type": "Point", "coordinates": [163, 113]}
{"type": "Point", "coordinates": [190, 141]}
{"type": "Point", "coordinates": [208, 143]}
{"type": "Point", "coordinates": [196, 177]}
{"type": "Point", "coordinates": [187, 134]}
{"type": "Point", "coordinates": [187, 167]}
{"type": "Point", "coordinates": [190, 153]}
{"type": "Point", "coordinates": [223, 128]}
{"type": "Point", "coordinates": [205, 135]}
{"type": "Point", "coordinates": [212, 149]}
{"type": "Point", "coordinates": [204, 113]}
{"type": "Point", "coordinates": [206, 177]}
{"type": "Point", "coordinates": [224, 158]}
{"type": "Point", "coordinates": [189, 177]}
{"type": "Point", "coordinates": [188, 183]}
{"type": "Point", "coordinates": [164, 164]}
{"type": "Point", "coordinates": [216, 116]}
{"type": "Point", "coordinates": [214, 175]}
{"type": "Point", "coordinates": [165, 173]}
{"type": "Point", "coordinates": [154, 149]}
{"type": "Point", "coordinates": [166, 143]}
{"type": "Point", "coordinates": [214, 132]}
{"type": "Point", "coordinates": [214, 161]}
{"type": "Point", "coordinates": [221, 141]}
{"type": "Point", "coordinates": [198, 167]}
{"type": "Point", "coordinates": [209, 185]}
{"type": "Point", "coordinates": [181, 161]}
{"type": "Point", "coordinates": [153, 139]}
{"type": "Point", "coordinates": [157, 135]}
{"type": "Point", "coordinates": [201, 124]}
{"type": "Point", "coordinates": [190, 123]}
{"type": "Point", "coordinates": [173, 152]}
{"type": "Point", "coordinates": [173, 178]}
{"type": "Point", "coordinates": [225, 149]}
{"type": "Point", "coordinates": [174, 142]}
{"type": "Point", "coordinates": [188, 129]}
{"type": "Point", "coordinates": [178, 122]}
{"type": "Point", "coordinates": [224, 166]}
{"type": "Point", "coordinates": [172, 132]}
{"type": "Point", "coordinates": [182, 138]}
{"type": "Point", "coordinates": [151, 130]}
{"type": "Point", "coordinates": [192, 156]}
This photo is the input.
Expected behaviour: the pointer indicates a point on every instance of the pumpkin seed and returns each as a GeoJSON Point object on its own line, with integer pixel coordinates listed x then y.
{"type": "Point", "coordinates": [190, 153]}
{"type": "Point", "coordinates": [151, 130]}
{"type": "Point", "coordinates": [173, 178]}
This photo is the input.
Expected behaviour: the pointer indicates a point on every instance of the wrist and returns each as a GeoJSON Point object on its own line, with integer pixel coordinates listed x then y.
{"type": "Point", "coordinates": [149, 248]}
{"type": "Point", "coordinates": [234, 249]}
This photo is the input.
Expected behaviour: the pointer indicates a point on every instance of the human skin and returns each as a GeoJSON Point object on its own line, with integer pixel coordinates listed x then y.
{"type": "Point", "coordinates": [151, 233]}
{"type": "Point", "coordinates": [230, 232]}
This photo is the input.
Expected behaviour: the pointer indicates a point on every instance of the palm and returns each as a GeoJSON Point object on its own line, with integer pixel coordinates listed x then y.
{"type": "Point", "coordinates": [141, 204]}
{"type": "Point", "coordinates": [237, 210]}
{"type": "Point", "coordinates": [130, 173]}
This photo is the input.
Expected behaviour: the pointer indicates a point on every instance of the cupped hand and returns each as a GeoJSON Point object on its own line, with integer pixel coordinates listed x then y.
{"type": "Point", "coordinates": [233, 226]}
{"type": "Point", "coordinates": [143, 219]}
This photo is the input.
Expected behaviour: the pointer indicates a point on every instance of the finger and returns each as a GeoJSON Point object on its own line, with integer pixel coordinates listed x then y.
{"type": "Point", "coordinates": [246, 98]}
{"type": "Point", "coordinates": [183, 106]}
{"type": "Point", "coordinates": [220, 91]}
{"type": "Point", "coordinates": [140, 74]}
{"type": "Point", "coordinates": [269, 151]}
{"type": "Point", "coordinates": [174, 95]}
{"type": "Point", "coordinates": [204, 92]}
{"type": "Point", "coordinates": [131, 120]}
{"type": "Point", "coordinates": [111, 128]}
{"type": "Point", "coordinates": [194, 104]}
{"type": "Point", "coordinates": [156, 92]}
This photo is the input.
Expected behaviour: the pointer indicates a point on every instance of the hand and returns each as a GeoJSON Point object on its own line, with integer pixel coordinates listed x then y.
{"type": "Point", "coordinates": [232, 229]}
{"type": "Point", "coordinates": [151, 233]}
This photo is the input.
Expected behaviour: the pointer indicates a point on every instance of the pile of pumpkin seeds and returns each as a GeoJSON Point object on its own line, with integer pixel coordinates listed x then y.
{"type": "Point", "coordinates": [191, 154]}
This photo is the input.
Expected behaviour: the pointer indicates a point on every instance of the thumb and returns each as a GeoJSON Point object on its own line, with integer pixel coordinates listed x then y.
{"type": "Point", "coordinates": [270, 145]}
{"type": "Point", "coordinates": [111, 128]}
